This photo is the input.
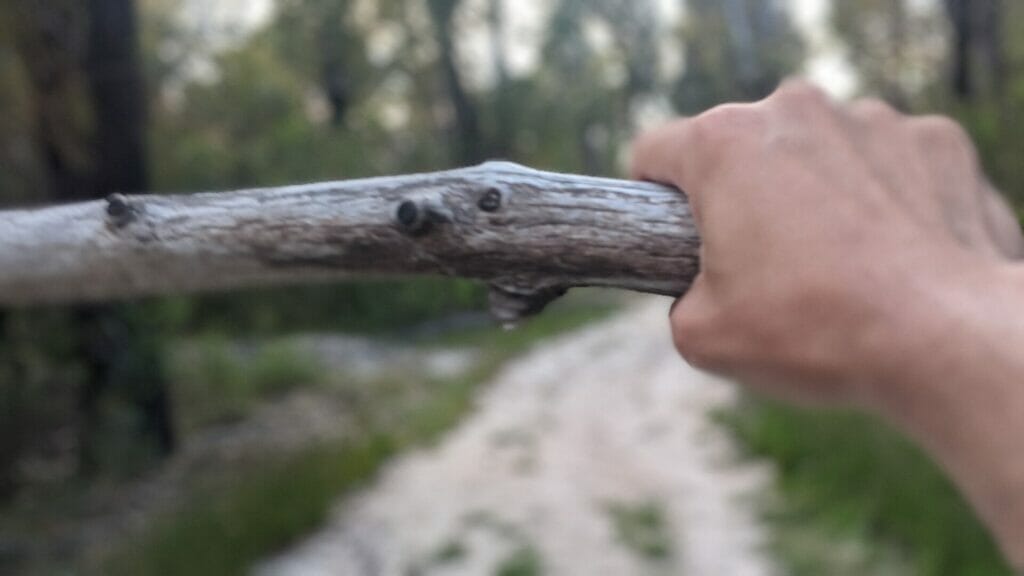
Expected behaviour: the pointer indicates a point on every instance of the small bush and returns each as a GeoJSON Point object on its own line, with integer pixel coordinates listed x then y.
{"type": "Point", "coordinates": [280, 366]}
{"type": "Point", "coordinates": [848, 474]}
{"type": "Point", "coordinates": [216, 382]}
{"type": "Point", "coordinates": [223, 529]}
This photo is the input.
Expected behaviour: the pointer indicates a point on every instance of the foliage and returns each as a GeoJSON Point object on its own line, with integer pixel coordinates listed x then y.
{"type": "Point", "coordinates": [368, 307]}
{"type": "Point", "coordinates": [849, 475]}
{"type": "Point", "coordinates": [30, 374]}
{"type": "Point", "coordinates": [735, 50]}
{"type": "Point", "coordinates": [222, 532]}
{"type": "Point", "coordinates": [226, 527]}
{"type": "Point", "coordinates": [895, 48]}
{"type": "Point", "coordinates": [522, 561]}
{"type": "Point", "coordinates": [216, 382]}
{"type": "Point", "coordinates": [997, 132]}
{"type": "Point", "coordinates": [449, 551]}
{"type": "Point", "coordinates": [642, 528]}
{"type": "Point", "coordinates": [330, 89]}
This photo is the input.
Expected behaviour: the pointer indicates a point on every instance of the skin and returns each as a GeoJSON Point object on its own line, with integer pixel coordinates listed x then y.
{"type": "Point", "coordinates": [857, 256]}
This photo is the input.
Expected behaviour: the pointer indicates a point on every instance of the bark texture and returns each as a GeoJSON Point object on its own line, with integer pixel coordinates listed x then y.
{"type": "Point", "coordinates": [529, 234]}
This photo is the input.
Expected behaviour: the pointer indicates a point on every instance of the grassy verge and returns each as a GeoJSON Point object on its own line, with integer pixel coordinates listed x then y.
{"type": "Point", "coordinates": [847, 477]}
{"type": "Point", "coordinates": [642, 528]}
{"type": "Point", "coordinates": [214, 384]}
{"type": "Point", "coordinates": [224, 528]}
{"type": "Point", "coordinates": [222, 531]}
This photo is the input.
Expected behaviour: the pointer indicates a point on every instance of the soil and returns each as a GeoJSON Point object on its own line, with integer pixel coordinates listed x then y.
{"type": "Point", "coordinates": [596, 453]}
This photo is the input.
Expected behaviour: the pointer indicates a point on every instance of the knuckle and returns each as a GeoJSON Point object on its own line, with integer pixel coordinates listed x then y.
{"type": "Point", "coordinates": [721, 133]}
{"type": "Point", "coordinates": [945, 141]}
{"type": "Point", "coordinates": [874, 110]}
{"type": "Point", "coordinates": [1004, 225]}
{"type": "Point", "coordinates": [794, 140]}
{"type": "Point", "coordinates": [800, 92]}
{"type": "Point", "coordinates": [721, 124]}
{"type": "Point", "coordinates": [691, 350]}
{"type": "Point", "coordinates": [942, 131]}
{"type": "Point", "coordinates": [701, 133]}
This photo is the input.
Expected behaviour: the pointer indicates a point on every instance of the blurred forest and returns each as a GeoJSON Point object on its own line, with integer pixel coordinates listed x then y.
{"type": "Point", "coordinates": [98, 96]}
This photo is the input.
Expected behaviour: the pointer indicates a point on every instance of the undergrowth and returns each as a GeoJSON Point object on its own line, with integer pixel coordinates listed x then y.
{"type": "Point", "coordinates": [226, 527]}
{"type": "Point", "coordinates": [847, 477]}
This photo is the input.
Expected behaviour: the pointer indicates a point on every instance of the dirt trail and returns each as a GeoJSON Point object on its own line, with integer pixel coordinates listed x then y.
{"type": "Point", "coordinates": [594, 454]}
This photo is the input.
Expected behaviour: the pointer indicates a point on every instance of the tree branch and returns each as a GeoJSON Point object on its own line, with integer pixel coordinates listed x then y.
{"type": "Point", "coordinates": [529, 234]}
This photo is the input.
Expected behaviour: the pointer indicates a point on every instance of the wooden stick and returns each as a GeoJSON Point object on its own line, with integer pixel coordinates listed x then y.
{"type": "Point", "coordinates": [529, 234]}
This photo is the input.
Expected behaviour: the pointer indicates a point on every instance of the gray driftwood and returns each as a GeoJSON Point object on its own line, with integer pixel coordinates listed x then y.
{"type": "Point", "coordinates": [529, 234]}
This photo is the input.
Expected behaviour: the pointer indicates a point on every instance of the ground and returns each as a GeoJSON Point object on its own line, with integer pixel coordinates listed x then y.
{"type": "Point", "coordinates": [596, 453]}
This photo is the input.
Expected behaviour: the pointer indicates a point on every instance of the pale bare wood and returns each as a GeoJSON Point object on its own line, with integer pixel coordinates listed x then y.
{"type": "Point", "coordinates": [529, 234]}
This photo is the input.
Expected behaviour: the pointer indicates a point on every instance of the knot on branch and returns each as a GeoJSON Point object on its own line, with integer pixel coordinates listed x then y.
{"type": "Point", "coordinates": [416, 216]}
{"type": "Point", "coordinates": [120, 211]}
{"type": "Point", "coordinates": [510, 303]}
{"type": "Point", "coordinates": [490, 201]}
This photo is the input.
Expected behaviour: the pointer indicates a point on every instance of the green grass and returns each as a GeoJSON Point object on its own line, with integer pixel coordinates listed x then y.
{"type": "Point", "coordinates": [450, 551]}
{"type": "Point", "coordinates": [642, 528]}
{"type": "Point", "coordinates": [524, 560]}
{"type": "Point", "coordinates": [223, 531]}
{"type": "Point", "coordinates": [215, 382]}
{"type": "Point", "coordinates": [378, 307]}
{"type": "Point", "coordinates": [846, 476]}
{"type": "Point", "coordinates": [225, 527]}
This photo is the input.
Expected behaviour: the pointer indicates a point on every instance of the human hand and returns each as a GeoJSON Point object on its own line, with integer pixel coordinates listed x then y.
{"type": "Point", "coordinates": [825, 229]}
{"type": "Point", "coordinates": [856, 255]}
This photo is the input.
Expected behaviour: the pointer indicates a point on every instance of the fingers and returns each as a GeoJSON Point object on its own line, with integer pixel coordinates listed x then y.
{"type": "Point", "coordinates": [667, 154]}
{"type": "Point", "coordinates": [687, 152]}
{"type": "Point", "coordinates": [873, 111]}
{"type": "Point", "coordinates": [905, 151]}
{"type": "Point", "coordinates": [973, 211]}
{"type": "Point", "coordinates": [928, 165]}
{"type": "Point", "coordinates": [692, 324]}
{"type": "Point", "coordinates": [800, 100]}
{"type": "Point", "coordinates": [890, 150]}
{"type": "Point", "coordinates": [1003, 224]}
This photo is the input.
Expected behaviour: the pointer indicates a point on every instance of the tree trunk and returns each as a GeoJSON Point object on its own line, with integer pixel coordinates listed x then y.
{"type": "Point", "coordinates": [11, 417]}
{"type": "Point", "coordinates": [334, 74]}
{"type": "Point", "coordinates": [990, 34]}
{"type": "Point", "coordinates": [119, 100]}
{"type": "Point", "coordinates": [978, 51]}
{"type": "Point", "coordinates": [118, 97]}
{"type": "Point", "coordinates": [504, 113]}
{"type": "Point", "coordinates": [51, 36]}
{"type": "Point", "coordinates": [470, 141]}
{"type": "Point", "coordinates": [962, 78]}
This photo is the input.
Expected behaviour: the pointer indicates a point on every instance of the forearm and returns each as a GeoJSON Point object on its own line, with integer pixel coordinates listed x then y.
{"type": "Point", "coordinates": [854, 255]}
{"type": "Point", "coordinates": [962, 395]}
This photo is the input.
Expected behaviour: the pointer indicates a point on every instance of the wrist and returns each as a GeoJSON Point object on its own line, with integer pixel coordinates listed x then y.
{"type": "Point", "coordinates": [931, 325]}
{"type": "Point", "coordinates": [950, 380]}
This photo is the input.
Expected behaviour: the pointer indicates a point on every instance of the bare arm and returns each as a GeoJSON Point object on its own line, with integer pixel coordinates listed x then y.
{"type": "Point", "coordinates": [853, 255]}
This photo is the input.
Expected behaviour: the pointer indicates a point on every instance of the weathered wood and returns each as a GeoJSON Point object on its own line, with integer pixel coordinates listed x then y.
{"type": "Point", "coordinates": [528, 234]}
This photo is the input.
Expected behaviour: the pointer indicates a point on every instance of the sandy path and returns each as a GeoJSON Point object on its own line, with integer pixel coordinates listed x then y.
{"type": "Point", "coordinates": [601, 418]}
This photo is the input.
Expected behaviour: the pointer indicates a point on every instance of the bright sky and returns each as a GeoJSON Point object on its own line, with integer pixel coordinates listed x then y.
{"type": "Point", "coordinates": [224, 21]}
{"type": "Point", "coordinates": [827, 67]}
